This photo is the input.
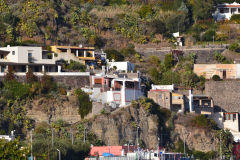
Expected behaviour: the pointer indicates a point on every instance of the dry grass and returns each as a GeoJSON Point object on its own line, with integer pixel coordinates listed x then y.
{"type": "Point", "coordinates": [112, 11]}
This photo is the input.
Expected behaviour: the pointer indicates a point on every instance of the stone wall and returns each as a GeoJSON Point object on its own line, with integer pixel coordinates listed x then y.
{"type": "Point", "coordinates": [204, 55]}
{"type": "Point", "coordinates": [225, 94]}
{"type": "Point", "coordinates": [68, 81]}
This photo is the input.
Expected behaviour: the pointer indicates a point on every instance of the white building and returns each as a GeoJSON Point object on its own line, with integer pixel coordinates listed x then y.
{"type": "Point", "coordinates": [230, 121]}
{"type": "Point", "coordinates": [226, 10]}
{"type": "Point", "coordinates": [115, 90]}
{"type": "Point", "coordinates": [121, 66]}
{"type": "Point", "coordinates": [23, 57]}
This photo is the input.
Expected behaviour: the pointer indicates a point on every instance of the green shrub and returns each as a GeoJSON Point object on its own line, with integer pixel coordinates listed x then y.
{"type": "Point", "coordinates": [155, 75]}
{"type": "Point", "coordinates": [202, 122]}
{"type": "Point", "coordinates": [85, 105]}
{"type": "Point", "coordinates": [48, 84]}
{"type": "Point", "coordinates": [219, 57]}
{"type": "Point", "coordinates": [62, 91]}
{"type": "Point", "coordinates": [203, 155]}
{"type": "Point", "coordinates": [216, 78]}
{"type": "Point", "coordinates": [10, 74]}
{"type": "Point", "coordinates": [235, 18]}
{"type": "Point", "coordinates": [76, 66]}
{"type": "Point", "coordinates": [234, 47]}
{"type": "Point", "coordinates": [15, 90]}
{"type": "Point", "coordinates": [209, 35]}
{"type": "Point", "coordinates": [190, 79]}
{"type": "Point", "coordinates": [170, 77]}
{"type": "Point", "coordinates": [145, 11]}
{"type": "Point", "coordinates": [30, 77]}
{"type": "Point", "coordinates": [128, 51]}
{"type": "Point", "coordinates": [168, 61]}
{"type": "Point", "coordinates": [114, 54]}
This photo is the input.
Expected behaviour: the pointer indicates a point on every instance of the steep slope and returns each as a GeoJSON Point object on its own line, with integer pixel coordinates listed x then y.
{"type": "Point", "coordinates": [120, 127]}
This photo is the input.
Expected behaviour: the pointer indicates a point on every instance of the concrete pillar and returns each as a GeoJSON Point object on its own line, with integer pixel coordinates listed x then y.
{"type": "Point", "coordinates": [6, 70]}
{"type": "Point", "coordinates": [200, 102]}
{"type": "Point", "coordinates": [59, 68]}
{"type": "Point", "coordinates": [85, 54]}
{"type": "Point", "coordinates": [123, 94]}
{"type": "Point", "coordinates": [77, 53]}
{"type": "Point", "coordinates": [212, 103]}
{"type": "Point", "coordinates": [27, 68]}
{"type": "Point", "coordinates": [43, 68]}
{"type": "Point", "coordinates": [93, 53]}
{"type": "Point", "coordinates": [190, 101]}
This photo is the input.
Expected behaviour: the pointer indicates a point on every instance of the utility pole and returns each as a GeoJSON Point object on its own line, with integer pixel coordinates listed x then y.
{"type": "Point", "coordinates": [72, 135]}
{"type": "Point", "coordinates": [158, 149]}
{"type": "Point", "coordinates": [84, 140]}
{"type": "Point", "coordinates": [184, 145]}
{"type": "Point", "coordinates": [221, 145]}
{"type": "Point", "coordinates": [137, 136]}
{"type": "Point", "coordinates": [52, 137]}
{"type": "Point", "coordinates": [137, 143]}
{"type": "Point", "coordinates": [213, 39]}
{"type": "Point", "coordinates": [59, 154]}
{"type": "Point", "coordinates": [31, 145]}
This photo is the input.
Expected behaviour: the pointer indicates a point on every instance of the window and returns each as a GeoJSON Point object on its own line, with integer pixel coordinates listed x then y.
{"type": "Point", "coordinates": [30, 58]}
{"type": "Point", "coordinates": [13, 52]}
{"type": "Point", "coordinates": [160, 96]}
{"type": "Point", "coordinates": [234, 116]}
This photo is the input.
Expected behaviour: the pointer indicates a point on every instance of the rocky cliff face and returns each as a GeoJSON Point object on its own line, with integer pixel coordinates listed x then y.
{"type": "Point", "coordinates": [120, 127]}
{"type": "Point", "coordinates": [196, 138]}
{"type": "Point", "coordinates": [53, 109]}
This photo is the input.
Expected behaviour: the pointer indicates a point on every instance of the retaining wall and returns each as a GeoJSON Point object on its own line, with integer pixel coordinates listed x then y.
{"type": "Point", "coordinates": [226, 94]}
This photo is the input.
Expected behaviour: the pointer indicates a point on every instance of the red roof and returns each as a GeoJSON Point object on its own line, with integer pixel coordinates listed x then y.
{"type": "Point", "coordinates": [115, 150]}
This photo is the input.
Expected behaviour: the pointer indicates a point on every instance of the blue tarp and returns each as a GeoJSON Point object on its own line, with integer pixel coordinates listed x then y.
{"type": "Point", "coordinates": [107, 154]}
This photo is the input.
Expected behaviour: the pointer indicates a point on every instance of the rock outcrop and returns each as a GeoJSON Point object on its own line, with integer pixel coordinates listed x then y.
{"type": "Point", "coordinates": [120, 127]}
{"type": "Point", "coordinates": [53, 109]}
{"type": "Point", "coordinates": [200, 139]}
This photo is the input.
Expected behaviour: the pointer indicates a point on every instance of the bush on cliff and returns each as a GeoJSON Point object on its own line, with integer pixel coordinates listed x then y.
{"type": "Point", "coordinates": [15, 90]}
{"type": "Point", "coordinates": [85, 105]}
{"type": "Point", "coordinates": [30, 77]}
{"type": "Point", "coordinates": [48, 84]}
{"type": "Point", "coordinates": [202, 122]}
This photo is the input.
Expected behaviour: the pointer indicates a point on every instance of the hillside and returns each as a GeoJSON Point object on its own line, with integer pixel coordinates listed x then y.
{"type": "Point", "coordinates": [108, 23]}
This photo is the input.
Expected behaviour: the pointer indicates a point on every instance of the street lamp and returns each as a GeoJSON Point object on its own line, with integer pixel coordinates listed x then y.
{"type": "Point", "coordinates": [59, 154]}
{"type": "Point", "coordinates": [137, 143]}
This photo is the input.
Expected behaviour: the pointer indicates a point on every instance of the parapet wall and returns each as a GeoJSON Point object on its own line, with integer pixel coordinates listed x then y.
{"type": "Point", "coordinates": [225, 94]}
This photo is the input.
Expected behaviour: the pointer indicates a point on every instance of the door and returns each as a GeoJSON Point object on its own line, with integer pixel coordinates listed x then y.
{"type": "Point", "coordinates": [224, 74]}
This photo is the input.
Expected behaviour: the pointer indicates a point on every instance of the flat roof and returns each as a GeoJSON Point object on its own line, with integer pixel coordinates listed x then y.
{"type": "Point", "coordinates": [74, 47]}
{"type": "Point", "coordinates": [30, 64]}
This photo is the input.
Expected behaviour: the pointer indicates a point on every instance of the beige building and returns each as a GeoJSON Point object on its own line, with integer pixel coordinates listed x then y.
{"type": "Point", "coordinates": [224, 71]}
{"type": "Point", "coordinates": [76, 53]}
{"type": "Point", "coordinates": [167, 99]}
